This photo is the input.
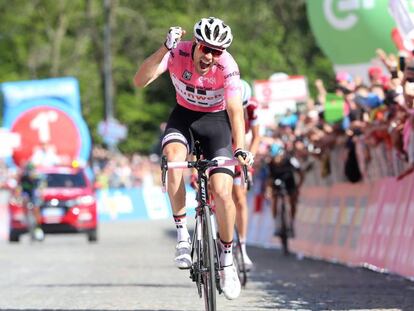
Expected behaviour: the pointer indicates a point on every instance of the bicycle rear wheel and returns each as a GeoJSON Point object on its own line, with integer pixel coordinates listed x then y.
{"type": "Point", "coordinates": [208, 266]}
{"type": "Point", "coordinates": [31, 221]}
{"type": "Point", "coordinates": [238, 259]}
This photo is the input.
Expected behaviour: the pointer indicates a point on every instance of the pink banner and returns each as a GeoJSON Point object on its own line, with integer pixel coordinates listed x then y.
{"type": "Point", "coordinates": [4, 215]}
{"type": "Point", "coordinates": [357, 224]}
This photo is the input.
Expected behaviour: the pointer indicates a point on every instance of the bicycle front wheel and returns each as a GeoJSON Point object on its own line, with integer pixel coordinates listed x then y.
{"type": "Point", "coordinates": [284, 239]}
{"type": "Point", "coordinates": [208, 266]}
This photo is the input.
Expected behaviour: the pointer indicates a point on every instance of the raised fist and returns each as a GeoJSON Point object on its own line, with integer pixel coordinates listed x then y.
{"type": "Point", "coordinates": [173, 37]}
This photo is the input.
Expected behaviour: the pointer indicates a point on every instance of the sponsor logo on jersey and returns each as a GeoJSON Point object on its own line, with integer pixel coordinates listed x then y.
{"type": "Point", "coordinates": [234, 73]}
{"type": "Point", "coordinates": [187, 75]}
{"type": "Point", "coordinates": [183, 53]}
{"type": "Point", "coordinates": [198, 96]}
{"type": "Point", "coordinates": [210, 80]}
{"type": "Point", "coordinates": [219, 66]}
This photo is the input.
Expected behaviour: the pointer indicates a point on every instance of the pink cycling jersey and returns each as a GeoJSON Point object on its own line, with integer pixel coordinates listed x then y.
{"type": "Point", "coordinates": [208, 93]}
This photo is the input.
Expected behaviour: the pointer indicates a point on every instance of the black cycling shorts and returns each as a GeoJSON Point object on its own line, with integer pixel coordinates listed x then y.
{"type": "Point", "coordinates": [211, 129]}
{"type": "Point", "coordinates": [290, 184]}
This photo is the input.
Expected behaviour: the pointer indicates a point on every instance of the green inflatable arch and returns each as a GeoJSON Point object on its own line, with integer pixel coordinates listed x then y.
{"type": "Point", "coordinates": [349, 31]}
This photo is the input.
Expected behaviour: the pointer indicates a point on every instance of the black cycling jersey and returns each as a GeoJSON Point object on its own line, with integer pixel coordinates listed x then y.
{"type": "Point", "coordinates": [28, 184]}
{"type": "Point", "coordinates": [212, 129]}
{"type": "Point", "coordinates": [284, 170]}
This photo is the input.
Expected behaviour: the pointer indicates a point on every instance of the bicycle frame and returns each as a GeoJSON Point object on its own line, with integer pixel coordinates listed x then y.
{"type": "Point", "coordinates": [282, 193]}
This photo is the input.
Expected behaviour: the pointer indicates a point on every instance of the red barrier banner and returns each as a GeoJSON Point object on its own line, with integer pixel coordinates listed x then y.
{"type": "Point", "coordinates": [385, 222]}
{"type": "Point", "coordinates": [356, 224]}
{"type": "Point", "coordinates": [355, 198]}
{"type": "Point", "coordinates": [369, 223]}
{"type": "Point", "coordinates": [403, 262]}
{"type": "Point", "coordinates": [308, 220]}
{"type": "Point", "coordinates": [325, 247]}
{"type": "Point", "coordinates": [397, 242]}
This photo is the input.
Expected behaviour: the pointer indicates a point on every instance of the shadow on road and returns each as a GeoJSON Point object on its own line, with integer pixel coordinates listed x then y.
{"type": "Point", "coordinates": [317, 285]}
{"type": "Point", "coordinates": [155, 285]}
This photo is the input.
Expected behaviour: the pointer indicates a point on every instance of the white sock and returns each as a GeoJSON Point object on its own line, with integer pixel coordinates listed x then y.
{"type": "Point", "coordinates": [181, 225]}
{"type": "Point", "coordinates": [226, 257]}
{"type": "Point", "coordinates": [243, 247]}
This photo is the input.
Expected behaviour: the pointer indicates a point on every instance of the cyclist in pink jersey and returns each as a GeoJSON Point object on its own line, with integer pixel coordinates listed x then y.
{"type": "Point", "coordinates": [239, 190]}
{"type": "Point", "coordinates": [207, 82]}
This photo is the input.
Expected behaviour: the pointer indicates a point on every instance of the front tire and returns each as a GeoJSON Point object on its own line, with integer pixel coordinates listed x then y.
{"type": "Point", "coordinates": [209, 273]}
{"type": "Point", "coordinates": [14, 237]}
{"type": "Point", "coordinates": [284, 239]}
{"type": "Point", "coordinates": [92, 236]}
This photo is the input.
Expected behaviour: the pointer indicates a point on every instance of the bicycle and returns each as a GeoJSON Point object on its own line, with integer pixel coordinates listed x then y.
{"type": "Point", "coordinates": [239, 259]}
{"type": "Point", "coordinates": [32, 217]}
{"type": "Point", "coordinates": [283, 230]}
{"type": "Point", "coordinates": [204, 248]}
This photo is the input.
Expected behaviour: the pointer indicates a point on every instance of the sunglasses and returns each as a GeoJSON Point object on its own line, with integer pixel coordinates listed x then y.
{"type": "Point", "coordinates": [205, 49]}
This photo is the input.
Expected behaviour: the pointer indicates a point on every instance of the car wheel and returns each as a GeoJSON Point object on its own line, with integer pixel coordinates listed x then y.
{"type": "Point", "coordinates": [14, 237]}
{"type": "Point", "coordinates": [92, 236]}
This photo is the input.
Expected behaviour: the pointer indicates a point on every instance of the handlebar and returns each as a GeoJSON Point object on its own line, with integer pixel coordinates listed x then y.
{"type": "Point", "coordinates": [246, 177]}
{"type": "Point", "coordinates": [199, 164]}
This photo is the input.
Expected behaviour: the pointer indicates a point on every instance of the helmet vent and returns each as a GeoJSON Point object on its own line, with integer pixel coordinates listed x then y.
{"type": "Point", "coordinates": [198, 31]}
{"type": "Point", "coordinates": [207, 31]}
{"type": "Point", "coordinates": [223, 36]}
{"type": "Point", "coordinates": [216, 31]}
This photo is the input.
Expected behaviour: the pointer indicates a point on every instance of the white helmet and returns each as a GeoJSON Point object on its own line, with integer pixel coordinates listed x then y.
{"type": "Point", "coordinates": [214, 32]}
{"type": "Point", "coordinates": [246, 91]}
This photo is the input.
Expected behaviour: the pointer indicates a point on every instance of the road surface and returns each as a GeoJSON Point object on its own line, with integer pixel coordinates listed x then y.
{"type": "Point", "coordinates": [131, 268]}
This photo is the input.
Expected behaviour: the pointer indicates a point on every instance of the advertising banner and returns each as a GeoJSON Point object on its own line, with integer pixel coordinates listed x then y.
{"type": "Point", "coordinates": [403, 14]}
{"type": "Point", "coordinates": [273, 91]}
{"type": "Point", "coordinates": [350, 31]}
{"type": "Point", "coordinates": [46, 114]}
{"type": "Point", "coordinates": [334, 108]}
{"type": "Point", "coordinates": [404, 190]}
{"type": "Point", "coordinates": [367, 224]}
{"type": "Point", "coordinates": [146, 202]}
{"type": "Point", "coordinates": [4, 214]}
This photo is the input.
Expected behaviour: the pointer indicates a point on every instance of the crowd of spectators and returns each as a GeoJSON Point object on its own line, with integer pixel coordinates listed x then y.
{"type": "Point", "coordinates": [373, 136]}
{"type": "Point", "coordinates": [115, 170]}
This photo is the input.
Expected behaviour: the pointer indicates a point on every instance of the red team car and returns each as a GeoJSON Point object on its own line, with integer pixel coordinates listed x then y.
{"type": "Point", "coordinates": [67, 202]}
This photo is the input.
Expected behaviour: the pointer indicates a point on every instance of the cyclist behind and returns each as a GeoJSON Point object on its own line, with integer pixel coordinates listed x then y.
{"type": "Point", "coordinates": [284, 166]}
{"type": "Point", "coordinates": [207, 83]}
{"type": "Point", "coordinates": [29, 183]}
{"type": "Point", "coordinates": [239, 190]}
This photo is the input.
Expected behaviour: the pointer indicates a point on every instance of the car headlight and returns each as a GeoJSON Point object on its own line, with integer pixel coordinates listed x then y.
{"type": "Point", "coordinates": [86, 200]}
{"type": "Point", "coordinates": [83, 200]}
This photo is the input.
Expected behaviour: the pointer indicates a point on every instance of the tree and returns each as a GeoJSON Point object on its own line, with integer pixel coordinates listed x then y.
{"type": "Point", "coordinates": [49, 38]}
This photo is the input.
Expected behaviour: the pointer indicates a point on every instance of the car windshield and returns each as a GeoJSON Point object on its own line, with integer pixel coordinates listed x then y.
{"type": "Point", "coordinates": [58, 180]}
